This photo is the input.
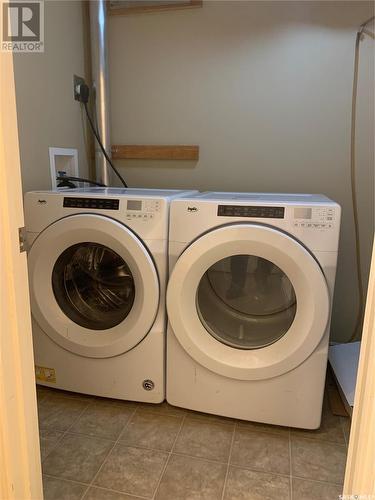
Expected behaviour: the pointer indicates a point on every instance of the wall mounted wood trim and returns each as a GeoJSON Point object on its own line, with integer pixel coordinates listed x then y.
{"type": "Point", "coordinates": [135, 152]}
{"type": "Point", "coordinates": [159, 6]}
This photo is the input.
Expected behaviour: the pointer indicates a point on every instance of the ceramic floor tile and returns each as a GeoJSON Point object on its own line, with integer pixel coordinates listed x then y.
{"type": "Point", "coordinates": [151, 431]}
{"type": "Point", "coordinates": [132, 470]}
{"type": "Point", "coordinates": [52, 392]}
{"type": "Point", "coordinates": [48, 440]}
{"type": "Point", "coordinates": [77, 457]}
{"type": "Point", "coordinates": [262, 451]}
{"type": "Point", "coordinates": [304, 489]}
{"type": "Point", "coordinates": [41, 393]}
{"type": "Point", "coordinates": [330, 429]}
{"type": "Point", "coordinates": [258, 426]}
{"type": "Point", "coordinates": [59, 489]}
{"type": "Point", "coordinates": [162, 409]}
{"type": "Point", "coordinates": [74, 395]}
{"type": "Point", "coordinates": [197, 415]}
{"type": "Point", "coordinates": [118, 402]}
{"type": "Point", "coordinates": [243, 484]}
{"type": "Point", "coordinates": [204, 439]}
{"type": "Point", "coordinates": [346, 423]}
{"type": "Point", "coordinates": [188, 478]}
{"type": "Point", "coordinates": [103, 420]}
{"type": "Point", "coordinates": [58, 414]}
{"type": "Point", "coordinates": [95, 493]}
{"type": "Point", "coordinates": [319, 460]}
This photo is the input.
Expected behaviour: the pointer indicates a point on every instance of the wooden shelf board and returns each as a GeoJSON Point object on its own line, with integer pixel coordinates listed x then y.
{"type": "Point", "coordinates": [143, 152]}
{"type": "Point", "coordinates": [134, 9]}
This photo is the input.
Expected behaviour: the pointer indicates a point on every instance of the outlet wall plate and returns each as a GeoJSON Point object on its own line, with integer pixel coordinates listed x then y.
{"type": "Point", "coordinates": [63, 161]}
{"type": "Point", "coordinates": [77, 80]}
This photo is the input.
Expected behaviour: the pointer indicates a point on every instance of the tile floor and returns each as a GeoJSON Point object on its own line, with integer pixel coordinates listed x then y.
{"type": "Point", "coordinates": [100, 449]}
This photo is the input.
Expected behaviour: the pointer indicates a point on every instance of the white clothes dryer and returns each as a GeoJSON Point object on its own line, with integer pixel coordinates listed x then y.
{"type": "Point", "coordinates": [97, 273]}
{"type": "Point", "coordinates": [249, 303]}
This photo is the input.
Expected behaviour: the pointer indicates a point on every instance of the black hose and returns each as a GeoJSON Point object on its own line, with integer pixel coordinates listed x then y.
{"type": "Point", "coordinates": [79, 179]}
{"type": "Point", "coordinates": [97, 137]}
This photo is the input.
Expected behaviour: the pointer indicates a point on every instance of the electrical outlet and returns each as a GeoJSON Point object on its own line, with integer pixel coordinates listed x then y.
{"type": "Point", "coordinates": [77, 80]}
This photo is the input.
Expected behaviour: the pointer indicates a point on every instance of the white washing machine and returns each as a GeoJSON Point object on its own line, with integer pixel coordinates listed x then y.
{"type": "Point", "coordinates": [97, 272]}
{"type": "Point", "coordinates": [249, 302]}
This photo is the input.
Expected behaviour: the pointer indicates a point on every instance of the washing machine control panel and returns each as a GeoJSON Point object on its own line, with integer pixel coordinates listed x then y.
{"type": "Point", "coordinates": [314, 217]}
{"type": "Point", "coordinates": [135, 209]}
{"type": "Point", "coordinates": [258, 212]}
{"type": "Point", "coordinates": [142, 209]}
{"type": "Point", "coordinates": [94, 203]}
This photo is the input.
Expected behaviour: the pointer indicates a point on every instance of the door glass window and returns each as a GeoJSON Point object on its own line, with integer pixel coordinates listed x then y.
{"type": "Point", "coordinates": [93, 285]}
{"type": "Point", "coordinates": [246, 301]}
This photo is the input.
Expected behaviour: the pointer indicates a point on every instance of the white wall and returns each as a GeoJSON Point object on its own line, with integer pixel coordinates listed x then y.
{"type": "Point", "coordinates": [47, 113]}
{"type": "Point", "coordinates": [265, 89]}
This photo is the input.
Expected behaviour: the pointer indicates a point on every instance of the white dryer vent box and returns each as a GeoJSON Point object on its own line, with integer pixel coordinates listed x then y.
{"type": "Point", "coordinates": [63, 162]}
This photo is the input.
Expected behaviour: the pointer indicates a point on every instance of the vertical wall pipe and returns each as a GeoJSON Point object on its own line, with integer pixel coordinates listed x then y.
{"type": "Point", "coordinates": [98, 34]}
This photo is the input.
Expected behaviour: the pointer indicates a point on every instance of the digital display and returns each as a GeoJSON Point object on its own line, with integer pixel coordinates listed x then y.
{"type": "Point", "coordinates": [134, 205]}
{"type": "Point", "coordinates": [98, 203]}
{"type": "Point", "coordinates": [251, 211]}
{"type": "Point", "coordinates": [302, 213]}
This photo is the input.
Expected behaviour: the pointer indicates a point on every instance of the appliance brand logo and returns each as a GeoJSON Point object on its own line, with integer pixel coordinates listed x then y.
{"type": "Point", "coordinates": [192, 209]}
{"type": "Point", "coordinates": [22, 26]}
{"type": "Point", "coordinates": [42, 202]}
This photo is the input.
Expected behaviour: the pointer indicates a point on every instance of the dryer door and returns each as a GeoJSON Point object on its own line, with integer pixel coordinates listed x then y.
{"type": "Point", "coordinates": [93, 285]}
{"type": "Point", "coordinates": [248, 301]}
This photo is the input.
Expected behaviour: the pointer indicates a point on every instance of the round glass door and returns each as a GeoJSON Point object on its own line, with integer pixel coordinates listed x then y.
{"type": "Point", "coordinates": [246, 301]}
{"type": "Point", "coordinates": [93, 285]}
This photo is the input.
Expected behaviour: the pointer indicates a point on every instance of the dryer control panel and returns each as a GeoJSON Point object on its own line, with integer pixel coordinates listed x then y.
{"type": "Point", "coordinates": [314, 217]}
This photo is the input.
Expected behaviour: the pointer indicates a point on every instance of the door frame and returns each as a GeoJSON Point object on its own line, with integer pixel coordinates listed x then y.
{"type": "Point", "coordinates": [20, 474]}
{"type": "Point", "coordinates": [359, 474]}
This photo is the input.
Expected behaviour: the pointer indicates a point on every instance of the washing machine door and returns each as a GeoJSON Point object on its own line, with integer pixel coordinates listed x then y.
{"type": "Point", "coordinates": [94, 287]}
{"type": "Point", "coordinates": [248, 301]}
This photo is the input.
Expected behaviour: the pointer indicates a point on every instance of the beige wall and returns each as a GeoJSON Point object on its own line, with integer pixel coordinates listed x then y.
{"type": "Point", "coordinates": [47, 114]}
{"type": "Point", "coordinates": [265, 89]}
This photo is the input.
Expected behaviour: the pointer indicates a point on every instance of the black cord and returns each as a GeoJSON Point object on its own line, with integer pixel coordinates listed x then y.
{"type": "Point", "coordinates": [79, 179]}
{"type": "Point", "coordinates": [97, 136]}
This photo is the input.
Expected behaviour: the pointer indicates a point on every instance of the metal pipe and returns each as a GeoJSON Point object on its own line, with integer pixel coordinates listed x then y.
{"type": "Point", "coordinates": [100, 87]}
